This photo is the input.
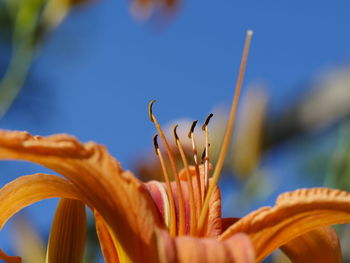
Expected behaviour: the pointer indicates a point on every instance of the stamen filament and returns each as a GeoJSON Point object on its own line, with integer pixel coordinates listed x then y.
{"type": "Point", "coordinates": [228, 133]}
{"type": "Point", "coordinates": [203, 190]}
{"type": "Point", "coordinates": [182, 226]}
{"type": "Point", "coordinates": [195, 158]}
{"type": "Point", "coordinates": [206, 157]}
{"type": "Point", "coordinates": [190, 185]}
{"type": "Point", "coordinates": [172, 226]}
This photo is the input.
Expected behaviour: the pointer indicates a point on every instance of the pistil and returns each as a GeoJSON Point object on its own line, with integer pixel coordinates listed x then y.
{"type": "Point", "coordinates": [228, 132]}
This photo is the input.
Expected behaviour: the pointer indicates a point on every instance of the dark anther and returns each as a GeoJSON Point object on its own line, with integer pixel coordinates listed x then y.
{"type": "Point", "coordinates": [192, 128]}
{"type": "Point", "coordinates": [175, 133]}
{"type": "Point", "coordinates": [150, 105]}
{"type": "Point", "coordinates": [155, 142]}
{"type": "Point", "coordinates": [207, 121]}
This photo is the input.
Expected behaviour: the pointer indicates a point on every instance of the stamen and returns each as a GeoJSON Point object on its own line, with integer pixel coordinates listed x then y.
{"type": "Point", "coordinates": [195, 158]}
{"type": "Point", "coordinates": [155, 143]}
{"type": "Point", "coordinates": [172, 225]}
{"type": "Point", "coordinates": [206, 159]}
{"type": "Point", "coordinates": [190, 185]}
{"type": "Point", "coordinates": [203, 155]}
{"type": "Point", "coordinates": [193, 126]}
{"type": "Point", "coordinates": [228, 133]}
{"type": "Point", "coordinates": [182, 226]}
{"type": "Point", "coordinates": [207, 121]}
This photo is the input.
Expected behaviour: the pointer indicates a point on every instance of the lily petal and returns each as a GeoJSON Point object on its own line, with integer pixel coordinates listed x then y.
{"type": "Point", "coordinates": [186, 249]}
{"type": "Point", "coordinates": [322, 245]}
{"type": "Point", "coordinates": [108, 248]}
{"type": "Point", "coordinates": [295, 213]}
{"type": "Point", "coordinates": [158, 192]}
{"type": "Point", "coordinates": [118, 196]}
{"type": "Point", "coordinates": [68, 233]}
{"type": "Point", "coordinates": [30, 189]}
{"type": "Point", "coordinates": [9, 259]}
{"type": "Point", "coordinates": [27, 190]}
{"type": "Point", "coordinates": [214, 223]}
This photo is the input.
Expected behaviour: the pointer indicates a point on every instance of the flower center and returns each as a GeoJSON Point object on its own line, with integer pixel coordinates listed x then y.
{"type": "Point", "coordinates": [196, 181]}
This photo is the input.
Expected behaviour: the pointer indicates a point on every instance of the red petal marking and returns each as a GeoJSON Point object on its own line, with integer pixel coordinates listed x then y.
{"type": "Point", "coordinates": [213, 226]}
{"type": "Point", "coordinates": [153, 187]}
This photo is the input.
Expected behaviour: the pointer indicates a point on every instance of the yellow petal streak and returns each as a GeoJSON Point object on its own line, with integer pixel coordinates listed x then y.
{"type": "Point", "coordinates": [228, 133]}
{"type": "Point", "coordinates": [108, 248]}
{"type": "Point", "coordinates": [68, 233]}
{"type": "Point", "coordinates": [321, 245]}
{"type": "Point", "coordinates": [295, 213]}
{"type": "Point", "coordinates": [100, 180]}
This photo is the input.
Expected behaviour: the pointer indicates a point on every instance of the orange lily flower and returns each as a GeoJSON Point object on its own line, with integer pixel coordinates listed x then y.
{"type": "Point", "coordinates": [176, 221]}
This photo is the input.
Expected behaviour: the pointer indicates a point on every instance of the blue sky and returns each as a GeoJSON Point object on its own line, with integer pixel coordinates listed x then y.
{"type": "Point", "coordinates": [96, 74]}
{"type": "Point", "coordinates": [100, 69]}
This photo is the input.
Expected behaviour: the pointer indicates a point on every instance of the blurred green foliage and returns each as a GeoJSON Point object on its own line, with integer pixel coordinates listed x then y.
{"type": "Point", "coordinates": [26, 24]}
{"type": "Point", "coordinates": [339, 170]}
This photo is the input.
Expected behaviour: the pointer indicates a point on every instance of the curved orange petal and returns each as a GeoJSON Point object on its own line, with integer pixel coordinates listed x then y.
{"type": "Point", "coordinates": [322, 245]}
{"type": "Point", "coordinates": [27, 190]}
{"type": "Point", "coordinates": [118, 196]}
{"type": "Point", "coordinates": [295, 213]}
{"type": "Point", "coordinates": [108, 248]}
{"type": "Point", "coordinates": [186, 249]}
{"type": "Point", "coordinates": [9, 259]}
{"type": "Point", "coordinates": [68, 233]}
{"type": "Point", "coordinates": [30, 189]}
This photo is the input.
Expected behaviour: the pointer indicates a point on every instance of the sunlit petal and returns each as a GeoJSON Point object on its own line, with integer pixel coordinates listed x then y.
{"type": "Point", "coordinates": [68, 233]}
{"type": "Point", "coordinates": [108, 248]}
{"type": "Point", "coordinates": [27, 190]}
{"type": "Point", "coordinates": [294, 214]}
{"type": "Point", "coordinates": [321, 245]}
{"type": "Point", "coordinates": [30, 189]}
{"type": "Point", "coordinates": [118, 196]}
